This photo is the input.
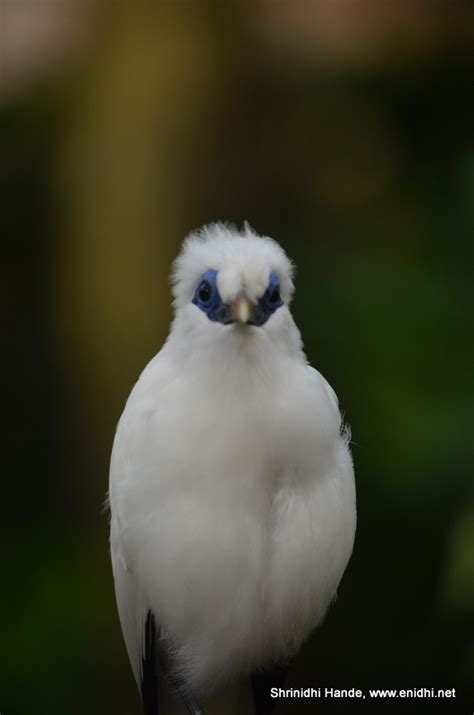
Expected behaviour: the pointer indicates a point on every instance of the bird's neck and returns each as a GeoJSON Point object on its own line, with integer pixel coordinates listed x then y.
{"type": "Point", "coordinates": [234, 355]}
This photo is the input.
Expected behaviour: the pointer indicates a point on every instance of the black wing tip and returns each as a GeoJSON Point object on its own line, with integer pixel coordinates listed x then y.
{"type": "Point", "coordinates": [149, 684]}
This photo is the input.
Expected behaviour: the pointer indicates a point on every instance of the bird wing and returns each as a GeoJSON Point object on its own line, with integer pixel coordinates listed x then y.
{"type": "Point", "coordinates": [327, 387]}
{"type": "Point", "coordinates": [138, 625]}
{"type": "Point", "coordinates": [140, 629]}
{"type": "Point", "coordinates": [131, 603]}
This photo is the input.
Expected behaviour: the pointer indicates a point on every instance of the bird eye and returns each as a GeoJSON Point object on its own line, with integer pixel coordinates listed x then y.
{"type": "Point", "coordinates": [270, 301]}
{"type": "Point", "coordinates": [206, 298]}
{"type": "Point", "coordinates": [274, 296]}
{"type": "Point", "coordinates": [204, 292]}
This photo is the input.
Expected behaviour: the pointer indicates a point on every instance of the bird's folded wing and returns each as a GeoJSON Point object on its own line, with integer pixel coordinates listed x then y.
{"type": "Point", "coordinates": [138, 627]}
{"type": "Point", "coordinates": [131, 603]}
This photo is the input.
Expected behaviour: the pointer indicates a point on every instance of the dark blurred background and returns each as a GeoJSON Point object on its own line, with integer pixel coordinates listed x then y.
{"type": "Point", "coordinates": [345, 131]}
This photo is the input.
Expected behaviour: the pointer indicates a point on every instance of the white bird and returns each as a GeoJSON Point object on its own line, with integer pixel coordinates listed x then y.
{"type": "Point", "coordinates": [232, 491]}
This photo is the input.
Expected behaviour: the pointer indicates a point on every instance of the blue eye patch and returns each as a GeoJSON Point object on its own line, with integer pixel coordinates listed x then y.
{"type": "Point", "coordinates": [207, 299]}
{"type": "Point", "coordinates": [268, 303]}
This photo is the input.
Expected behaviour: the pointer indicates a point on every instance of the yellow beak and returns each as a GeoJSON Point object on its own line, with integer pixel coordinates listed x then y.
{"type": "Point", "coordinates": [242, 309]}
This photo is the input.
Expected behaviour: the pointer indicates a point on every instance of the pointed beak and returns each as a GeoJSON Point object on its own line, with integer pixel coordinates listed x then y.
{"type": "Point", "coordinates": [242, 309]}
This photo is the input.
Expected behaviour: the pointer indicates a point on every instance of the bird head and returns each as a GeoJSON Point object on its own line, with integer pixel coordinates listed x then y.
{"type": "Point", "coordinates": [233, 288]}
{"type": "Point", "coordinates": [232, 277]}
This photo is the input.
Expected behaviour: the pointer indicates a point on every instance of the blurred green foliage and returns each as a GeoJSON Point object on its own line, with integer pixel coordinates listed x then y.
{"type": "Point", "coordinates": [365, 174]}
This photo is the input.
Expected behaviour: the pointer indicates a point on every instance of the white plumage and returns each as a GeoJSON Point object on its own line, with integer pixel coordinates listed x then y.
{"type": "Point", "coordinates": [231, 487]}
